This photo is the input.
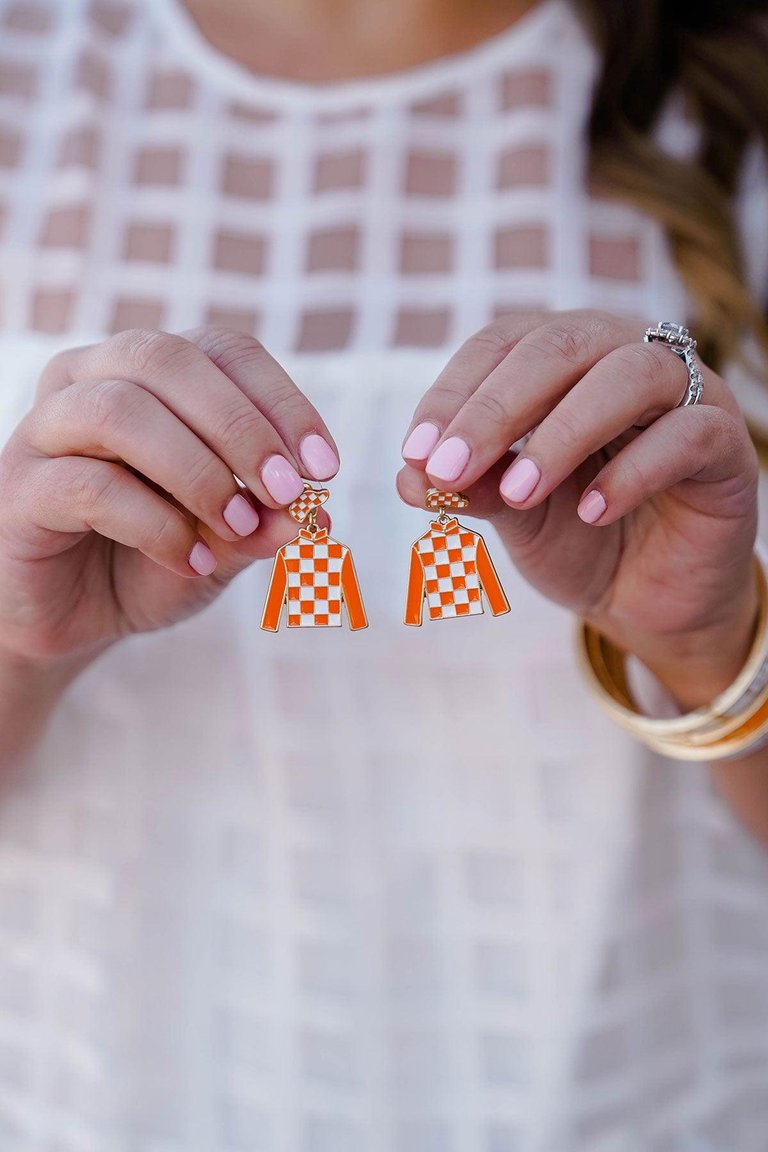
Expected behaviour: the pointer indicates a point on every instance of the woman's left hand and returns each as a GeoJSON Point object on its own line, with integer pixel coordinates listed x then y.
{"type": "Point", "coordinates": [637, 514]}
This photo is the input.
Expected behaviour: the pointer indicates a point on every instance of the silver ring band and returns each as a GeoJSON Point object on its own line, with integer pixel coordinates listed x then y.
{"type": "Point", "coordinates": [682, 344]}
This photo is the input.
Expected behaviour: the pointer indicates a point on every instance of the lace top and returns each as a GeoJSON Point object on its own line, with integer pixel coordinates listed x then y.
{"type": "Point", "coordinates": [394, 889]}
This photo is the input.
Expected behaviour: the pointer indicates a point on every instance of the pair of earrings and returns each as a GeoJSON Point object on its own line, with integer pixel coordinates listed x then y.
{"type": "Point", "coordinates": [313, 575]}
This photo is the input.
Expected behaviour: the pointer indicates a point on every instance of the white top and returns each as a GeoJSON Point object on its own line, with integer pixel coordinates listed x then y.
{"type": "Point", "coordinates": [398, 889]}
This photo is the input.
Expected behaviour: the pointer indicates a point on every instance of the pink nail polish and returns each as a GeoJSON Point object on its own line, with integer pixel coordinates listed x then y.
{"type": "Point", "coordinates": [449, 460]}
{"type": "Point", "coordinates": [592, 507]}
{"type": "Point", "coordinates": [241, 515]}
{"type": "Point", "coordinates": [421, 441]}
{"type": "Point", "coordinates": [320, 459]}
{"type": "Point", "coordinates": [201, 559]}
{"type": "Point", "coordinates": [281, 480]}
{"type": "Point", "coordinates": [520, 480]}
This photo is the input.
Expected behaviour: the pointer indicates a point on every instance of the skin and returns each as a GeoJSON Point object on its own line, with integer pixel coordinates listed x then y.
{"type": "Point", "coordinates": [320, 41]}
{"type": "Point", "coordinates": [125, 464]}
{"type": "Point", "coordinates": [666, 571]}
{"type": "Point", "coordinates": [123, 468]}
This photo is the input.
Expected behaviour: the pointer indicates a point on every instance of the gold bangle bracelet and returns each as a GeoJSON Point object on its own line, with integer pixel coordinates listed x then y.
{"type": "Point", "coordinates": [732, 723]}
{"type": "Point", "coordinates": [749, 738]}
{"type": "Point", "coordinates": [725, 713]}
{"type": "Point", "coordinates": [608, 680]}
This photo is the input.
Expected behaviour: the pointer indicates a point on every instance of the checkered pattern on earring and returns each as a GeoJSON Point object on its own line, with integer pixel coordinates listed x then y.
{"type": "Point", "coordinates": [309, 499]}
{"type": "Point", "coordinates": [436, 498]}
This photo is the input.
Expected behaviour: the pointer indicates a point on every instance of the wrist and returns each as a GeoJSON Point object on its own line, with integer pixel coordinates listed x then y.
{"type": "Point", "coordinates": [30, 688]}
{"type": "Point", "coordinates": [695, 667]}
{"type": "Point", "coordinates": [22, 675]}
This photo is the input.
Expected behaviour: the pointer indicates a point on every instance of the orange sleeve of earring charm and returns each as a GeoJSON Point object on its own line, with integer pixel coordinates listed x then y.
{"type": "Point", "coordinates": [415, 597]}
{"type": "Point", "coordinates": [351, 589]}
{"type": "Point", "coordinates": [490, 581]}
{"type": "Point", "coordinates": [274, 605]}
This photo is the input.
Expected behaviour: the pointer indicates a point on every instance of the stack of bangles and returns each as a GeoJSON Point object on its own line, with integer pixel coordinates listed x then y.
{"type": "Point", "coordinates": [732, 725]}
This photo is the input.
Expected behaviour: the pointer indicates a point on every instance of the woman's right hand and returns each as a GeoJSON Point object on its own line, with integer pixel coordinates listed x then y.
{"type": "Point", "coordinates": [119, 508]}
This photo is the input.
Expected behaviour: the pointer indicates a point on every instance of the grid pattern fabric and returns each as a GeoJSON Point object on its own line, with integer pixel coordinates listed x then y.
{"type": "Point", "coordinates": [146, 181]}
{"type": "Point", "coordinates": [389, 889]}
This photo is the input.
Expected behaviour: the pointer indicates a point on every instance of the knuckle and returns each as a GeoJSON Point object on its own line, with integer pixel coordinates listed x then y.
{"type": "Point", "coordinates": [735, 442]}
{"type": "Point", "coordinates": [653, 361]}
{"type": "Point", "coordinates": [733, 429]}
{"type": "Point", "coordinates": [88, 487]}
{"type": "Point", "coordinates": [565, 428]}
{"type": "Point", "coordinates": [625, 475]}
{"type": "Point", "coordinates": [490, 406]}
{"type": "Point", "coordinates": [229, 348]}
{"type": "Point", "coordinates": [206, 480]}
{"type": "Point", "coordinates": [498, 337]}
{"type": "Point", "coordinates": [165, 535]}
{"type": "Point", "coordinates": [152, 352]}
{"type": "Point", "coordinates": [128, 344]}
{"type": "Point", "coordinates": [286, 402]}
{"type": "Point", "coordinates": [444, 394]}
{"type": "Point", "coordinates": [600, 325]}
{"type": "Point", "coordinates": [704, 435]}
{"type": "Point", "coordinates": [662, 362]}
{"type": "Point", "coordinates": [503, 333]}
{"type": "Point", "coordinates": [111, 404]}
{"type": "Point", "coordinates": [563, 340]}
{"type": "Point", "coordinates": [240, 427]}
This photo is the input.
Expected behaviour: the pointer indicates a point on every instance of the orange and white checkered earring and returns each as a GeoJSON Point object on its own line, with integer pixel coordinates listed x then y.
{"type": "Point", "coordinates": [450, 567]}
{"type": "Point", "coordinates": [313, 575]}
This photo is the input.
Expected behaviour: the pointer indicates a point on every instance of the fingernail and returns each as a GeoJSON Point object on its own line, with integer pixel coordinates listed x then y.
{"type": "Point", "coordinates": [421, 441]}
{"type": "Point", "coordinates": [202, 559]}
{"type": "Point", "coordinates": [450, 459]}
{"type": "Point", "coordinates": [281, 480]}
{"type": "Point", "coordinates": [320, 459]}
{"type": "Point", "coordinates": [520, 480]}
{"type": "Point", "coordinates": [241, 515]}
{"type": "Point", "coordinates": [592, 507]}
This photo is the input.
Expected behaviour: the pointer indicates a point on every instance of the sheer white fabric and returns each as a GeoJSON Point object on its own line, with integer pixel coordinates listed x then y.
{"type": "Point", "coordinates": [399, 889]}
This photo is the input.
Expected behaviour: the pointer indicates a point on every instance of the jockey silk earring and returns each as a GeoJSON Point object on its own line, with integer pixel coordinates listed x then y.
{"type": "Point", "coordinates": [450, 567]}
{"type": "Point", "coordinates": [313, 574]}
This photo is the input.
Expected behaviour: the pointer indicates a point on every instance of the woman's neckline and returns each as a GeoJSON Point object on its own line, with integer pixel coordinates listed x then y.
{"type": "Point", "coordinates": [410, 83]}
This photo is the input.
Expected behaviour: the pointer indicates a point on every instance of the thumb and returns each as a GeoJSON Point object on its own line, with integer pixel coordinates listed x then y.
{"type": "Point", "coordinates": [276, 527]}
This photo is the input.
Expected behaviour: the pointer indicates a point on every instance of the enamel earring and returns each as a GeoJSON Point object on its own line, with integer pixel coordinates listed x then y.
{"type": "Point", "coordinates": [450, 567]}
{"type": "Point", "coordinates": [313, 574]}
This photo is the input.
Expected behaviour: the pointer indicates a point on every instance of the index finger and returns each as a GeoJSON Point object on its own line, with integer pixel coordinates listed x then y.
{"type": "Point", "coordinates": [245, 360]}
{"type": "Point", "coordinates": [461, 377]}
{"type": "Point", "coordinates": [486, 417]}
{"type": "Point", "coordinates": [225, 406]}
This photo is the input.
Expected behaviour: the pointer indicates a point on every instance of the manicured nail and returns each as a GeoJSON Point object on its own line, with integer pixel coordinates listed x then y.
{"type": "Point", "coordinates": [450, 459]}
{"type": "Point", "coordinates": [319, 458]}
{"type": "Point", "coordinates": [241, 515]}
{"type": "Point", "coordinates": [202, 559]}
{"type": "Point", "coordinates": [592, 507]}
{"type": "Point", "coordinates": [520, 480]}
{"type": "Point", "coordinates": [421, 441]}
{"type": "Point", "coordinates": [281, 480]}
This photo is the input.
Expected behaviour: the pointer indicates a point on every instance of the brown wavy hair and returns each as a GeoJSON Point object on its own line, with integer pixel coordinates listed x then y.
{"type": "Point", "coordinates": [715, 52]}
